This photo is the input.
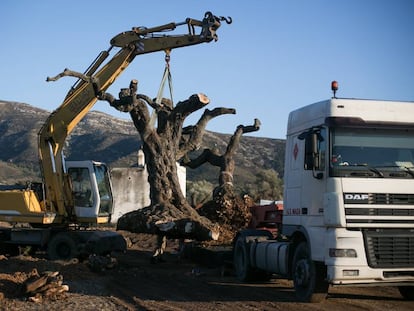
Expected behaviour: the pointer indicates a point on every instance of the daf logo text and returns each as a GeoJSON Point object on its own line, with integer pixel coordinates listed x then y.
{"type": "Point", "coordinates": [356, 196]}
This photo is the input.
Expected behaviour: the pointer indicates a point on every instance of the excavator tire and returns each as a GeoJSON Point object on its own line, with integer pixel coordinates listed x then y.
{"type": "Point", "coordinates": [62, 246]}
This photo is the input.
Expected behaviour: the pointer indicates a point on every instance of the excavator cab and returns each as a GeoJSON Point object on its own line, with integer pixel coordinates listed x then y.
{"type": "Point", "coordinates": [91, 190]}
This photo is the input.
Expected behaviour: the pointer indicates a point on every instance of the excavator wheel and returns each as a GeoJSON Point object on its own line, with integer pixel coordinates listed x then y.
{"type": "Point", "coordinates": [62, 246]}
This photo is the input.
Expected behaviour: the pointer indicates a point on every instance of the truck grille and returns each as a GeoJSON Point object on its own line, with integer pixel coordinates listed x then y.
{"type": "Point", "coordinates": [379, 198]}
{"type": "Point", "coordinates": [380, 211]}
{"type": "Point", "coordinates": [391, 198]}
{"type": "Point", "coordinates": [389, 248]}
{"type": "Point", "coordinates": [376, 209]}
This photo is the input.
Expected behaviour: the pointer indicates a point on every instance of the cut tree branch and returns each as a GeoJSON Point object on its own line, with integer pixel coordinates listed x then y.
{"type": "Point", "coordinates": [192, 136]}
{"type": "Point", "coordinates": [225, 162]}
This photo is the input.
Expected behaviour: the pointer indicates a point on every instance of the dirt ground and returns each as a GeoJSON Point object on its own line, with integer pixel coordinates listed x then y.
{"type": "Point", "coordinates": [176, 284]}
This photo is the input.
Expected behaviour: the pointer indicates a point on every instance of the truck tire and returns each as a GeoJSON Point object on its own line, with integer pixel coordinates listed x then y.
{"type": "Point", "coordinates": [242, 265]}
{"type": "Point", "coordinates": [308, 276]}
{"type": "Point", "coordinates": [62, 246]}
{"type": "Point", "coordinates": [241, 260]}
{"type": "Point", "coordinates": [407, 292]}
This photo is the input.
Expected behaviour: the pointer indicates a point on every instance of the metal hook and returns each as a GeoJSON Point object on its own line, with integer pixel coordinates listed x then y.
{"type": "Point", "coordinates": [228, 20]}
{"type": "Point", "coordinates": [208, 15]}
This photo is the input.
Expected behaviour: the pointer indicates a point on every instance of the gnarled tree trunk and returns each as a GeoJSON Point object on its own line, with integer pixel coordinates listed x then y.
{"type": "Point", "coordinates": [169, 213]}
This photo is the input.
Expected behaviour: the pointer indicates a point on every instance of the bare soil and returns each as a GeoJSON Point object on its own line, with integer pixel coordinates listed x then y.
{"type": "Point", "coordinates": [179, 283]}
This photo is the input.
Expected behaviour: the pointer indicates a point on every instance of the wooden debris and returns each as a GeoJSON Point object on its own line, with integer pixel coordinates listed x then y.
{"type": "Point", "coordinates": [48, 285]}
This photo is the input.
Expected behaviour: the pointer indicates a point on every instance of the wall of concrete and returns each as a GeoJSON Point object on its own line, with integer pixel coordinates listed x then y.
{"type": "Point", "coordinates": [131, 189]}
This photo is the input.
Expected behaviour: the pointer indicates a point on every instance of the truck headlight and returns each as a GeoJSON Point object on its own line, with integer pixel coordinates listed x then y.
{"type": "Point", "coordinates": [350, 272]}
{"type": "Point", "coordinates": [342, 252]}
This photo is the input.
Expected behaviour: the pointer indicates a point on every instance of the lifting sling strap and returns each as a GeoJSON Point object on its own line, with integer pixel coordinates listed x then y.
{"type": "Point", "coordinates": [166, 75]}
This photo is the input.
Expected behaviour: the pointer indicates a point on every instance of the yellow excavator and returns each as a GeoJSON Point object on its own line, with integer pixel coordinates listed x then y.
{"type": "Point", "coordinates": [74, 197]}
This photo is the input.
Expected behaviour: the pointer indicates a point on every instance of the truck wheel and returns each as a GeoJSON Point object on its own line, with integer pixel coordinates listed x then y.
{"type": "Point", "coordinates": [62, 246]}
{"type": "Point", "coordinates": [241, 261]}
{"type": "Point", "coordinates": [407, 292]}
{"type": "Point", "coordinates": [308, 277]}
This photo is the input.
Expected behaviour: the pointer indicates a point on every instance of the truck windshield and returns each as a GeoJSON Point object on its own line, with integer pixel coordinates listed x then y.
{"type": "Point", "coordinates": [104, 188]}
{"type": "Point", "coordinates": [371, 152]}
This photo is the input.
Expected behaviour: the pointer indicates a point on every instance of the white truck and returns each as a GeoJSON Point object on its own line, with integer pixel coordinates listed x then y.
{"type": "Point", "coordinates": [348, 215]}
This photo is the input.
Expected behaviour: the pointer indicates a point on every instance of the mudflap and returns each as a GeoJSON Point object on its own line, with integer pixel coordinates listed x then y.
{"type": "Point", "coordinates": [105, 242]}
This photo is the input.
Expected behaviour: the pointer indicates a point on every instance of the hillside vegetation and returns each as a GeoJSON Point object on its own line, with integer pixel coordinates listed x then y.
{"type": "Point", "coordinates": [101, 137]}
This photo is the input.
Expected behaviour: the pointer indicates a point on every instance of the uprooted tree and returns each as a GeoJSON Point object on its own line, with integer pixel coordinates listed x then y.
{"type": "Point", "coordinates": [226, 208]}
{"type": "Point", "coordinates": [169, 213]}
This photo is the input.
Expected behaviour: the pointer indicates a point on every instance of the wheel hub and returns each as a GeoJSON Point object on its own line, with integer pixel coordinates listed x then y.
{"type": "Point", "coordinates": [302, 274]}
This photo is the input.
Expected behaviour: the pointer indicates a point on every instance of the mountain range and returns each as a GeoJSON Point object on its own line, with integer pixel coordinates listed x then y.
{"type": "Point", "coordinates": [115, 141]}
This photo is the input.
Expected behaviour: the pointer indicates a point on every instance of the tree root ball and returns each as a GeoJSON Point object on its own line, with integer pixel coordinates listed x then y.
{"type": "Point", "coordinates": [170, 222]}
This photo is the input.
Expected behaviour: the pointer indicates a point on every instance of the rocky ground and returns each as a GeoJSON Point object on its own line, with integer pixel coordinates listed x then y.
{"type": "Point", "coordinates": [134, 283]}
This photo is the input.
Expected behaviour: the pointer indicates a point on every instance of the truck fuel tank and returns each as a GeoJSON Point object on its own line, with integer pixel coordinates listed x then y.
{"type": "Point", "coordinates": [271, 256]}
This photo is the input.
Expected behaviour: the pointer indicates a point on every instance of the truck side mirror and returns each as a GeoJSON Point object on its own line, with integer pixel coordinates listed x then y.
{"type": "Point", "coordinates": [313, 159]}
{"type": "Point", "coordinates": [316, 163]}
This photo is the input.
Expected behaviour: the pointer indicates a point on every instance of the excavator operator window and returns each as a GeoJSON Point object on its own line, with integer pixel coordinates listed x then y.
{"type": "Point", "coordinates": [81, 187]}
{"type": "Point", "coordinates": [104, 188]}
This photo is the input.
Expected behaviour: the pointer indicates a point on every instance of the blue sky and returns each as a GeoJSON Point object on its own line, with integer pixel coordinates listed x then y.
{"type": "Point", "coordinates": [276, 56]}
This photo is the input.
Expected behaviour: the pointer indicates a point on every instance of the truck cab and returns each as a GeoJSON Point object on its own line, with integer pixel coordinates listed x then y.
{"type": "Point", "coordinates": [348, 205]}
{"type": "Point", "coordinates": [349, 188]}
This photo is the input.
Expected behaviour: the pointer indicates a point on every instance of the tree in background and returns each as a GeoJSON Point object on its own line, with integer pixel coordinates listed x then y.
{"type": "Point", "coordinates": [199, 192]}
{"type": "Point", "coordinates": [268, 186]}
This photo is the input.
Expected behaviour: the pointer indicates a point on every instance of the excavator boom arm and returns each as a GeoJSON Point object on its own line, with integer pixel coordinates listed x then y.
{"type": "Point", "coordinates": [97, 78]}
